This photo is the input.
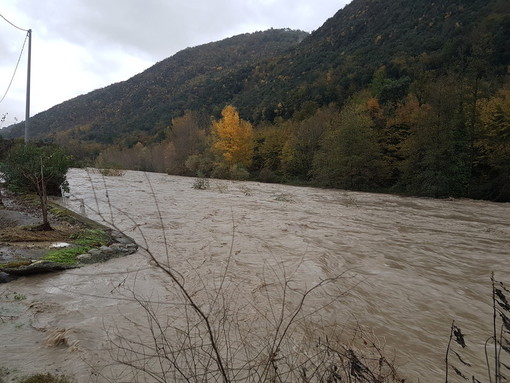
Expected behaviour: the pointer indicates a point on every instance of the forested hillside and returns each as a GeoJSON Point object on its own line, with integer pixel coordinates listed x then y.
{"type": "Point", "coordinates": [195, 78]}
{"type": "Point", "coordinates": [387, 95]}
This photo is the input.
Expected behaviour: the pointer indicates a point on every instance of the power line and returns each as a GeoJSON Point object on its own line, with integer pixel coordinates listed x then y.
{"type": "Point", "coordinates": [27, 108]}
{"type": "Point", "coordinates": [15, 26]}
{"type": "Point", "coordinates": [15, 69]}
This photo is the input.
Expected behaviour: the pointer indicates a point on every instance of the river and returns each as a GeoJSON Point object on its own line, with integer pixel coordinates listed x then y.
{"type": "Point", "coordinates": [409, 267]}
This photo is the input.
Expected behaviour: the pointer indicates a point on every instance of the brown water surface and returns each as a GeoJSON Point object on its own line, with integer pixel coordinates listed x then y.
{"type": "Point", "coordinates": [414, 265]}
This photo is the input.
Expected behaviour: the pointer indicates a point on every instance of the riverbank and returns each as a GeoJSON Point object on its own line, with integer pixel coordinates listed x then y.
{"type": "Point", "coordinates": [28, 254]}
{"type": "Point", "coordinates": [73, 242]}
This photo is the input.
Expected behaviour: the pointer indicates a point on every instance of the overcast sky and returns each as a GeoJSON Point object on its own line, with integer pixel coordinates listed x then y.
{"type": "Point", "coordinates": [82, 45]}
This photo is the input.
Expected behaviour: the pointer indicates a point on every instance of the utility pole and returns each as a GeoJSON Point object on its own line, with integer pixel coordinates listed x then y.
{"type": "Point", "coordinates": [29, 64]}
{"type": "Point", "coordinates": [27, 107]}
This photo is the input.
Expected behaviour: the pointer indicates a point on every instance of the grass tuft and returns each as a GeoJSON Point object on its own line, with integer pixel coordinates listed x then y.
{"type": "Point", "coordinates": [91, 238]}
{"type": "Point", "coordinates": [67, 255]}
{"type": "Point", "coordinates": [83, 241]}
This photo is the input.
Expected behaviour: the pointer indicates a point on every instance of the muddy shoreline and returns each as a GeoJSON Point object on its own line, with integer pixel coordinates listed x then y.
{"type": "Point", "coordinates": [23, 248]}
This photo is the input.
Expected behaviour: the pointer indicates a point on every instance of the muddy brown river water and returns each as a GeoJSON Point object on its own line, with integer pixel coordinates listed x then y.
{"type": "Point", "coordinates": [411, 266]}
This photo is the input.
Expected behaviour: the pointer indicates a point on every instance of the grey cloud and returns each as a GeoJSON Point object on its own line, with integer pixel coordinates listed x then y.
{"type": "Point", "coordinates": [153, 27]}
{"type": "Point", "coordinates": [159, 28]}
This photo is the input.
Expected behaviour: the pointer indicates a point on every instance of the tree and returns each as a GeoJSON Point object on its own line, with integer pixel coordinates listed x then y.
{"type": "Point", "coordinates": [350, 156]}
{"type": "Point", "coordinates": [188, 137]}
{"type": "Point", "coordinates": [232, 139]}
{"type": "Point", "coordinates": [269, 143]}
{"type": "Point", "coordinates": [437, 148]}
{"type": "Point", "coordinates": [5, 145]}
{"type": "Point", "coordinates": [304, 142]}
{"type": "Point", "coordinates": [36, 168]}
{"type": "Point", "coordinates": [494, 147]}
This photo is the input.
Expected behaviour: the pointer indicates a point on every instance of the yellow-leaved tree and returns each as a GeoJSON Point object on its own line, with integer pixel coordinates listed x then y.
{"type": "Point", "coordinates": [232, 139]}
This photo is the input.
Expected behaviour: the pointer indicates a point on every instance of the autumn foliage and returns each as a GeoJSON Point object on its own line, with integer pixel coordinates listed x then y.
{"type": "Point", "coordinates": [232, 139]}
{"type": "Point", "coordinates": [422, 110]}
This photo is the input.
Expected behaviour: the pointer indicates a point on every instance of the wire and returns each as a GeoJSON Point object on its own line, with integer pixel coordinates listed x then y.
{"type": "Point", "coordinates": [15, 26]}
{"type": "Point", "coordinates": [15, 69]}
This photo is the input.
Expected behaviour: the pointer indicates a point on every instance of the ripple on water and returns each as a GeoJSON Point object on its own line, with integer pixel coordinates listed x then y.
{"type": "Point", "coordinates": [418, 263]}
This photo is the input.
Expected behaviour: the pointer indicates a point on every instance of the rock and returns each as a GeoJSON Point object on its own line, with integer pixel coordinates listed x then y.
{"type": "Point", "coordinates": [85, 258]}
{"type": "Point", "coordinates": [5, 278]}
{"type": "Point", "coordinates": [119, 248]}
{"type": "Point", "coordinates": [38, 267]}
{"type": "Point", "coordinates": [123, 239]}
{"type": "Point", "coordinates": [95, 252]}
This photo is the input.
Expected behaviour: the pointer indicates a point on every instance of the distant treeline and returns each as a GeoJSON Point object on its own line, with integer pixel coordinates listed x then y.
{"type": "Point", "coordinates": [446, 137]}
{"type": "Point", "coordinates": [394, 96]}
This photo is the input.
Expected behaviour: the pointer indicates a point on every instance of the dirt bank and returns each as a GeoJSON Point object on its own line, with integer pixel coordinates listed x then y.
{"type": "Point", "coordinates": [24, 250]}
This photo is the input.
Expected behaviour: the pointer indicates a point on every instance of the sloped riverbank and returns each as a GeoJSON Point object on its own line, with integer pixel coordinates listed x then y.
{"type": "Point", "coordinates": [74, 241]}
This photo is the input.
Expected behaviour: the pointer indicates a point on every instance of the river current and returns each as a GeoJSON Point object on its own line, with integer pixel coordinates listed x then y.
{"type": "Point", "coordinates": [410, 266]}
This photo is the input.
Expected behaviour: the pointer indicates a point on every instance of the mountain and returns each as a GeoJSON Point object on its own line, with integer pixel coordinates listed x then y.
{"type": "Point", "coordinates": [343, 55]}
{"type": "Point", "coordinates": [388, 95]}
{"type": "Point", "coordinates": [203, 77]}
{"type": "Point", "coordinates": [274, 73]}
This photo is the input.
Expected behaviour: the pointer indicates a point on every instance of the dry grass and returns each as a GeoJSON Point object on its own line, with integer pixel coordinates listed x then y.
{"type": "Point", "coordinates": [25, 234]}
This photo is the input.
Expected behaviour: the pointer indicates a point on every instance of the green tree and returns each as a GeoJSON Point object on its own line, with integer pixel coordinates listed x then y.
{"type": "Point", "coordinates": [5, 145]}
{"type": "Point", "coordinates": [494, 147]}
{"type": "Point", "coordinates": [437, 148]}
{"type": "Point", "coordinates": [301, 146]}
{"type": "Point", "coordinates": [387, 90]}
{"type": "Point", "coordinates": [350, 156]}
{"type": "Point", "coordinates": [269, 142]}
{"type": "Point", "coordinates": [36, 168]}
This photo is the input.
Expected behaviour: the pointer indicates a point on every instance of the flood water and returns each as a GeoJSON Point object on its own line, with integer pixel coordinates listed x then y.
{"type": "Point", "coordinates": [410, 266]}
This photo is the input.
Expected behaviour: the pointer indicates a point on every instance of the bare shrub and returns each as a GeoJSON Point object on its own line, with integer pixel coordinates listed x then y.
{"type": "Point", "coordinates": [350, 200]}
{"type": "Point", "coordinates": [108, 168]}
{"type": "Point", "coordinates": [111, 172]}
{"type": "Point", "coordinates": [282, 197]}
{"type": "Point", "coordinates": [246, 190]}
{"type": "Point", "coordinates": [497, 355]}
{"type": "Point", "coordinates": [201, 183]}
{"type": "Point", "coordinates": [199, 330]}
{"type": "Point", "coordinates": [221, 186]}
